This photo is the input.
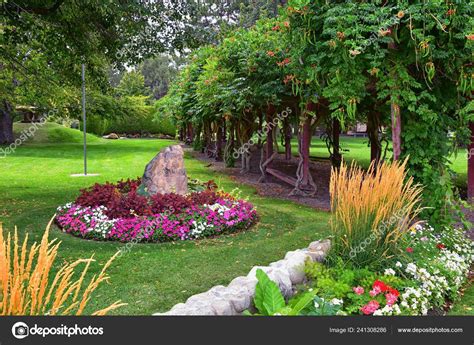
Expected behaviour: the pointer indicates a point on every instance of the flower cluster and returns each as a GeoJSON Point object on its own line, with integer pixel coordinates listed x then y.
{"type": "Point", "coordinates": [126, 199]}
{"type": "Point", "coordinates": [431, 270]}
{"type": "Point", "coordinates": [437, 264]}
{"type": "Point", "coordinates": [381, 293]}
{"type": "Point", "coordinates": [224, 215]}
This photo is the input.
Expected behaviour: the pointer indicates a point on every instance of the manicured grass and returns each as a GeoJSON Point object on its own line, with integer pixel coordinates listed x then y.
{"type": "Point", "coordinates": [357, 149]}
{"type": "Point", "coordinates": [150, 277]}
{"type": "Point", "coordinates": [50, 133]}
{"type": "Point", "coordinates": [466, 305]}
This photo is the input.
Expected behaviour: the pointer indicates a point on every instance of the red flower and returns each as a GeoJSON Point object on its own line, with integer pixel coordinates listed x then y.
{"type": "Point", "coordinates": [276, 28]}
{"type": "Point", "coordinates": [393, 291]}
{"type": "Point", "coordinates": [451, 12]}
{"type": "Point", "coordinates": [288, 78]}
{"type": "Point", "coordinates": [409, 250]}
{"type": "Point", "coordinates": [440, 246]}
{"type": "Point", "coordinates": [270, 53]}
{"type": "Point", "coordinates": [380, 285]}
{"type": "Point", "coordinates": [284, 62]}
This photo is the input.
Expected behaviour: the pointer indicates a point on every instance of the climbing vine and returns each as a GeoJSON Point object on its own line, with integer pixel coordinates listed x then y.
{"type": "Point", "coordinates": [404, 67]}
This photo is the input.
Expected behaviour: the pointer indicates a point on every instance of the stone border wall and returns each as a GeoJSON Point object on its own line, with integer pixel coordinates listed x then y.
{"type": "Point", "coordinates": [237, 297]}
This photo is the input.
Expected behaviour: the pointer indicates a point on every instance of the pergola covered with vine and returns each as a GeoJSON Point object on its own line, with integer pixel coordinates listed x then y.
{"type": "Point", "coordinates": [401, 65]}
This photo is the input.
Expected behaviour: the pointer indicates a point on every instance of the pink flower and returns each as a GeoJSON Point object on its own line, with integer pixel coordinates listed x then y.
{"type": "Point", "coordinates": [375, 291]}
{"type": "Point", "coordinates": [391, 298]}
{"type": "Point", "coordinates": [359, 290]}
{"type": "Point", "coordinates": [370, 307]}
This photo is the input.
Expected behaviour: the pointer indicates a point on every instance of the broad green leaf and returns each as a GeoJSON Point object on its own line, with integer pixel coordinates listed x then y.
{"type": "Point", "coordinates": [268, 298]}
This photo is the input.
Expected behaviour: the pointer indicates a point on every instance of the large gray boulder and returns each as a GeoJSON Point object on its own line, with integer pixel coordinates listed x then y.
{"type": "Point", "coordinates": [166, 173]}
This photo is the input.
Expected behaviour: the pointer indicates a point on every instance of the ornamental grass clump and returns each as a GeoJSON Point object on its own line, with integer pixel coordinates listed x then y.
{"type": "Point", "coordinates": [28, 286]}
{"type": "Point", "coordinates": [371, 212]}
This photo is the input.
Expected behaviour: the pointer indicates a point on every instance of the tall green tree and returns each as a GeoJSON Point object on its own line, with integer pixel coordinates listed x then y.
{"type": "Point", "coordinates": [159, 72]}
{"type": "Point", "coordinates": [132, 84]}
{"type": "Point", "coordinates": [68, 33]}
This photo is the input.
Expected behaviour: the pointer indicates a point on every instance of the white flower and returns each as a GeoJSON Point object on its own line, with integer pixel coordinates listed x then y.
{"type": "Point", "coordinates": [336, 301]}
{"type": "Point", "coordinates": [398, 264]}
{"type": "Point", "coordinates": [389, 272]}
{"type": "Point", "coordinates": [378, 312]}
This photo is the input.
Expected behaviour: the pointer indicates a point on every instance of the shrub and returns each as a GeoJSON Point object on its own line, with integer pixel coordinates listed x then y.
{"type": "Point", "coordinates": [125, 195]}
{"type": "Point", "coordinates": [27, 284]}
{"type": "Point", "coordinates": [371, 212]}
{"type": "Point", "coordinates": [125, 115]}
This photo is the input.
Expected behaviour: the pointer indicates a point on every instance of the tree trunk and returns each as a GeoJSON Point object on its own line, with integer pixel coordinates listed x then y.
{"type": "Point", "coordinates": [269, 144]}
{"type": "Point", "coordinates": [219, 142]}
{"type": "Point", "coordinates": [305, 145]}
{"type": "Point", "coordinates": [470, 166]}
{"type": "Point", "coordinates": [336, 132]}
{"type": "Point", "coordinates": [396, 131]}
{"type": "Point", "coordinates": [288, 135]}
{"type": "Point", "coordinates": [6, 123]}
{"type": "Point", "coordinates": [190, 133]}
{"type": "Point", "coordinates": [206, 137]}
{"type": "Point", "coordinates": [373, 126]}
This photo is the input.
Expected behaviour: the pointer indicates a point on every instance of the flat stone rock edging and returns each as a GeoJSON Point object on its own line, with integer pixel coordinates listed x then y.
{"type": "Point", "coordinates": [237, 297]}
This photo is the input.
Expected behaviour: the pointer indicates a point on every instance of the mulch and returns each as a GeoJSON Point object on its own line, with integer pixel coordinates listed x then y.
{"type": "Point", "coordinates": [273, 187]}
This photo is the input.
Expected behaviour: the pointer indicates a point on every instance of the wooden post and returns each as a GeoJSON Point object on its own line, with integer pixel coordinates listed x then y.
{"type": "Point", "coordinates": [470, 166]}
{"type": "Point", "coordinates": [396, 131]}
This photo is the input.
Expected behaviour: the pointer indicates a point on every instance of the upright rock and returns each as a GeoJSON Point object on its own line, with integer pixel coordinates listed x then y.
{"type": "Point", "coordinates": [166, 173]}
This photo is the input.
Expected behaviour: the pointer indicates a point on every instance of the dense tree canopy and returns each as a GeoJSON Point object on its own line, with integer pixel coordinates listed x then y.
{"type": "Point", "coordinates": [401, 65]}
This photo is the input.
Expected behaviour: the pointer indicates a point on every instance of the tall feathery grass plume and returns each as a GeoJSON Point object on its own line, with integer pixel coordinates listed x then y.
{"type": "Point", "coordinates": [371, 211]}
{"type": "Point", "coordinates": [29, 287]}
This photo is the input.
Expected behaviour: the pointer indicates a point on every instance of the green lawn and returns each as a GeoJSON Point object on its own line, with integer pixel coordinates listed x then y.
{"type": "Point", "coordinates": [357, 149]}
{"type": "Point", "coordinates": [151, 277]}
{"type": "Point", "coordinates": [466, 305]}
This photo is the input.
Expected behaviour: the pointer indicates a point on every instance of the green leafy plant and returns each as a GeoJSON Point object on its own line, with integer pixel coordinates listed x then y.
{"type": "Point", "coordinates": [268, 298]}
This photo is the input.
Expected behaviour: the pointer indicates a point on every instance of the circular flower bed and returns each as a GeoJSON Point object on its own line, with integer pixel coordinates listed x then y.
{"type": "Point", "coordinates": [122, 212]}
